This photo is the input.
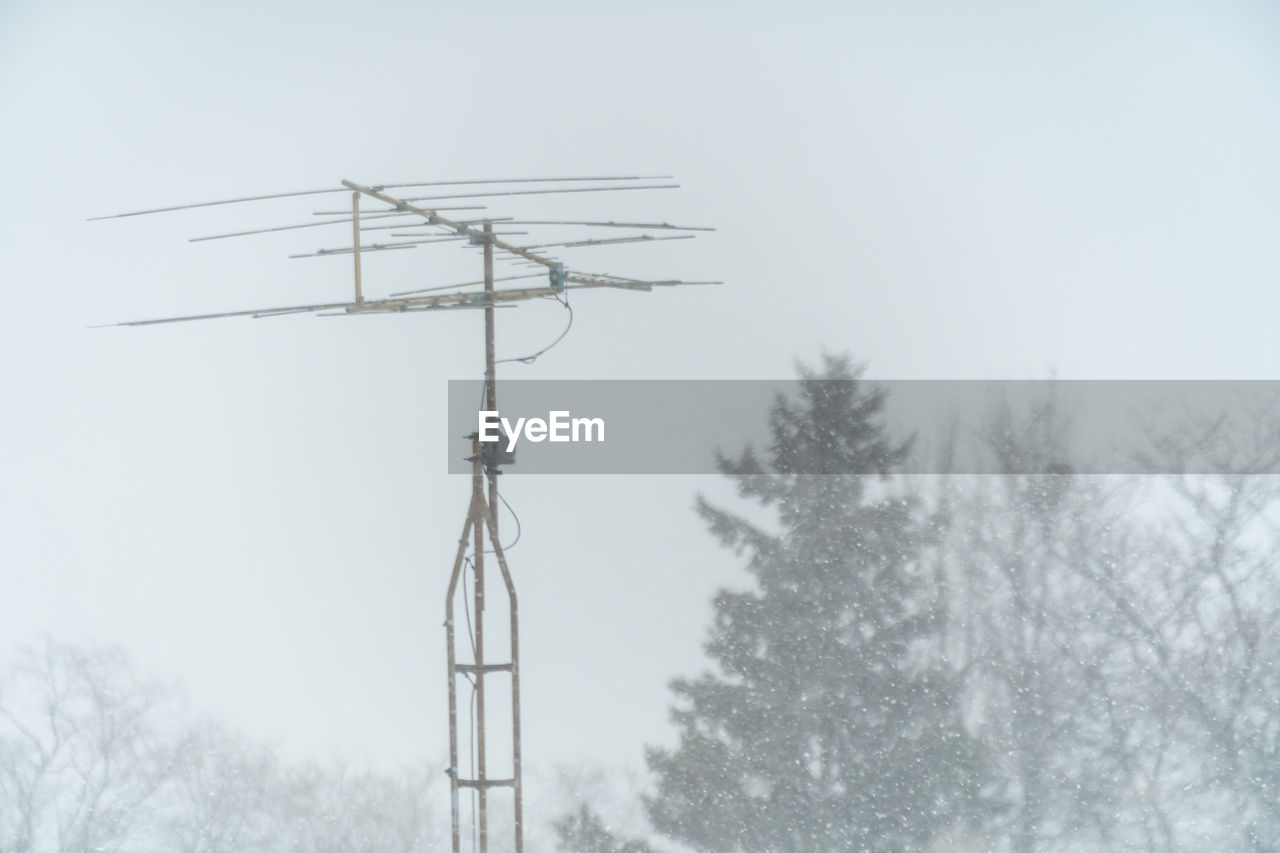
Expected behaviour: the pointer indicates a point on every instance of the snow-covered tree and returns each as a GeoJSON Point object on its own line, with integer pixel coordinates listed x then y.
{"type": "Point", "coordinates": [832, 720]}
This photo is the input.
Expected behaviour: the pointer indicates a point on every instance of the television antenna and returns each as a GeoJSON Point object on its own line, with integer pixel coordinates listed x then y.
{"type": "Point", "coordinates": [419, 222]}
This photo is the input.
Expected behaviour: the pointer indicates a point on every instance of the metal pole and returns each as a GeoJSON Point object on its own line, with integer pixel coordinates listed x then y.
{"type": "Point", "coordinates": [481, 519]}
{"type": "Point", "coordinates": [453, 677]}
{"type": "Point", "coordinates": [490, 517]}
{"type": "Point", "coordinates": [515, 705]}
{"type": "Point", "coordinates": [491, 520]}
{"type": "Point", "coordinates": [478, 488]}
{"type": "Point", "coordinates": [491, 404]}
{"type": "Point", "coordinates": [490, 378]}
{"type": "Point", "coordinates": [477, 500]}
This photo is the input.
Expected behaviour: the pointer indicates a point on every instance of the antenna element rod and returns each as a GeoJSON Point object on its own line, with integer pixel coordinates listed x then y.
{"type": "Point", "coordinates": [355, 240]}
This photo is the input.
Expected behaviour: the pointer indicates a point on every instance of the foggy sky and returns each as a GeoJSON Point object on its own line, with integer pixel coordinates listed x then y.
{"type": "Point", "coordinates": [259, 507]}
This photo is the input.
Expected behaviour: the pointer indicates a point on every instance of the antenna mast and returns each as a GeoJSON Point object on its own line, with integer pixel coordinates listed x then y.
{"type": "Point", "coordinates": [480, 528]}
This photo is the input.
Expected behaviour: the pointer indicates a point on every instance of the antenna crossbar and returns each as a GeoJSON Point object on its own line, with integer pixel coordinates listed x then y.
{"type": "Point", "coordinates": [460, 228]}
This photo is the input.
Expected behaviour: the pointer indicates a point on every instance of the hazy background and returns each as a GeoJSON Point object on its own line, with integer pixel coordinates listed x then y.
{"type": "Point", "coordinates": [998, 190]}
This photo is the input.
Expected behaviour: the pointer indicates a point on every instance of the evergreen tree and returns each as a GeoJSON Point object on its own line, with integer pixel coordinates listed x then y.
{"type": "Point", "coordinates": [585, 832]}
{"type": "Point", "coordinates": [832, 723]}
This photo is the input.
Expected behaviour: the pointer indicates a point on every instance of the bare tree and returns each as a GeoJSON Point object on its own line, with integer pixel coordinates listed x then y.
{"type": "Point", "coordinates": [85, 758]}
{"type": "Point", "coordinates": [1036, 641]}
{"type": "Point", "coordinates": [95, 758]}
{"type": "Point", "coordinates": [1210, 648]}
{"type": "Point", "coordinates": [224, 796]}
{"type": "Point", "coordinates": [1198, 607]}
{"type": "Point", "coordinates": [336, 809]}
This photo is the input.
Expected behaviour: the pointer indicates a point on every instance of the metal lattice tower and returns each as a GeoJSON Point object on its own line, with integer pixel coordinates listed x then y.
{"type": "Point", "coordinates": [419, 222]}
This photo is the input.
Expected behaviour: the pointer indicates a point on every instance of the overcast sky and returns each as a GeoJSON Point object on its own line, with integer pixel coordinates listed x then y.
{"type": "Point", "coordinates": [984, 190]}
